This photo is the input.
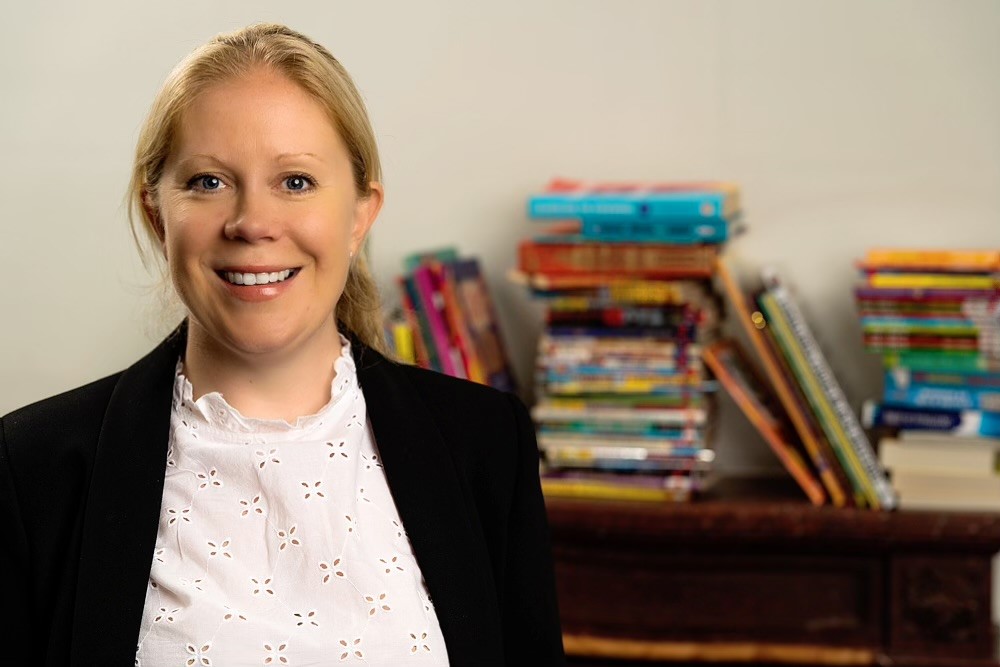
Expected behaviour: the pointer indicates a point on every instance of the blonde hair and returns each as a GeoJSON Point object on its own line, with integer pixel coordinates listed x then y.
{"type": "Point", "coordinates": [315, 70]}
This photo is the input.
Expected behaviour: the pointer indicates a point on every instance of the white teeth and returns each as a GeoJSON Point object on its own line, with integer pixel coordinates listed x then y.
{"type": "Point", "coordinates": [257, 278]}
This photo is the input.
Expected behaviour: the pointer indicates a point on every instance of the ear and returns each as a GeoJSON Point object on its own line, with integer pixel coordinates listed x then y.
{"type": "Point", "coordinates": [365, 212]}
{"type": "Point", "coordinates": [152, 212]}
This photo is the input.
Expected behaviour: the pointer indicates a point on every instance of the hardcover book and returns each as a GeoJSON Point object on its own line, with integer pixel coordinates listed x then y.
{"type": "Point", "coordinates": [784, 386]}
{"type": "Point", "coordinates": [565, 198]}
{"type": "Point", "coordinates": [734, 373]}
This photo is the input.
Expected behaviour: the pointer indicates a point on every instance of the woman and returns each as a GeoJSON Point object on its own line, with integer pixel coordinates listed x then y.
{"type": "Point", "coordinates": [265, 487]}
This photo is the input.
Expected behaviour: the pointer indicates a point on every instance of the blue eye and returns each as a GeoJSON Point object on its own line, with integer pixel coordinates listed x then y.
{"type": "Point", "coordinates": [205, 182]}
{"type": "Point", "coordinates": [298, 183]}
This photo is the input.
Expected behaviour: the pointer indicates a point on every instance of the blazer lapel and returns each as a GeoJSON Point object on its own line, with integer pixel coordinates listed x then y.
{"type": "Point", "coordinates": [123, 507]}
{"type": "Point", "coordinates": [429, 495]}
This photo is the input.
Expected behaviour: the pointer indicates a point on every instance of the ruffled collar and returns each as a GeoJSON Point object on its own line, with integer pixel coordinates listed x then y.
{"type": "Point", "coordinates": [212, 411]}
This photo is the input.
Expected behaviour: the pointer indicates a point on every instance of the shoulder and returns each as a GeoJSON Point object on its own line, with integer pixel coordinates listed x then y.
{"type": "Point", "coordinates": [487, 431]}
{"type": "Point", "coordinates": [57, 425]}
{"type": "Point", "coordinates": [465, 402]}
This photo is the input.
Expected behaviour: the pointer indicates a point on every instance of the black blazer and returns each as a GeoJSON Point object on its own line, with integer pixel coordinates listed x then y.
{"type": "Point", "coordinates": [81, 479]}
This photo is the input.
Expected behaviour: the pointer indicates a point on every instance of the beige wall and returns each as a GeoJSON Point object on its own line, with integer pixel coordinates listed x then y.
{"type": "Point", "coordinates": [848, 124]}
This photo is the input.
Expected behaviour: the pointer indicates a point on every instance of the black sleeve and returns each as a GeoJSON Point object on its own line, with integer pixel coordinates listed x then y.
{"type": "Point", "coordinates": [532, 634]}
{"type": "Point", "coordinates": [15, 602]}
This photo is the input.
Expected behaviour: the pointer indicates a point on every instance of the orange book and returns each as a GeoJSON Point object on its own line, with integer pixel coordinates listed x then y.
{"type": "Point", "coordinates": [729, 365]}
{"type": "Point", "coordinates": [650, 260]}
{"type": "Point", "coordinates": [984, 261]}
{"type": "Point", "coordinates": [780, 383]}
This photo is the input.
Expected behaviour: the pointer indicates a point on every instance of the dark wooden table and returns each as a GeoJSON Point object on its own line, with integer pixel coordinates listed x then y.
{"type": "Point", "coordinates": [754, 574]}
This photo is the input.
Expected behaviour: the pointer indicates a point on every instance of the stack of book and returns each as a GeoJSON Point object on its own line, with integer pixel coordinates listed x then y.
{"type": "Point", "coordinates": [797, 403]}
{"type": "Point", "coordinates": [624, 407]}
{"type": "Point", "coordinates": [447, 322]}
{"type": "Point", "coordinates": [934, 317]}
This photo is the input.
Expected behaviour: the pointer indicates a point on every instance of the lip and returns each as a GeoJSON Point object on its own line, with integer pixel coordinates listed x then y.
{"type": "Point", "coordinates": [255, 268]}
{"type": "Point", "coordinates": [257, 293]}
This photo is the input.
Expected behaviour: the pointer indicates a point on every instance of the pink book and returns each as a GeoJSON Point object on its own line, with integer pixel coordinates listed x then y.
{"type": "Point", "coordinates": [433, 302]}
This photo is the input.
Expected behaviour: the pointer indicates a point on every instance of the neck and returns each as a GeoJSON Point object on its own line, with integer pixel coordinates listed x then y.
{"type": "Point", "coordinates": [282, 385]}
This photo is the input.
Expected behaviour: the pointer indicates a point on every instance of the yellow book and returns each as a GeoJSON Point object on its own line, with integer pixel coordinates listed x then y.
{"type": "Point", "coordinates": [965, 260]}
{"type": "Point", "coordinates": [930, 281]}
{"type": "Point", "coordinates": [562, 488]}
{"type": "Point", "coordinates": [817, 398]}
{"type": "Point", "coordinates": [402, 338]}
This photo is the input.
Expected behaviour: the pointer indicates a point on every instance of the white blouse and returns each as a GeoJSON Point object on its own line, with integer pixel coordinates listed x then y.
{"type": "Point", "coordinates": [280, 544]}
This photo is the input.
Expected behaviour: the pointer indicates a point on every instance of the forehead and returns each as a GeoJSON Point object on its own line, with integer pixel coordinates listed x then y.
{"type": "Point", "coordinates": [257, 112]}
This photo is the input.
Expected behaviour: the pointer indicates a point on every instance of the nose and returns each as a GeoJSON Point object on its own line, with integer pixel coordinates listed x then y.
{"type": "Point", "coordinates": [255, 219]}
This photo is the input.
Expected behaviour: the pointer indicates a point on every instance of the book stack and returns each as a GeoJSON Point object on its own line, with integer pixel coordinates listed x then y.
{"type": "Point", "coordinates": [447, 322]}
{"type": "Point", "coordinates": [624, 407]}
{"type": "Point", "coordinates": [797, 404]}
{"type": "Point", "coordinates": [934, 317]}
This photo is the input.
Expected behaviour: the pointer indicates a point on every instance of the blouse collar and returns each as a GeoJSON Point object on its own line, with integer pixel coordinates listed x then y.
{"type": "Point", "coordinates": [212, 411]}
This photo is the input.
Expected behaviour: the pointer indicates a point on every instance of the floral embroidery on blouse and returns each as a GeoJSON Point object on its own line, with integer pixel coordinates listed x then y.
{"type": "Point", "coordinates": [280, 544]}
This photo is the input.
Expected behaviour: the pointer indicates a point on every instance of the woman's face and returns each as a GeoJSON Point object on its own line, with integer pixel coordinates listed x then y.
{"type": "Point", "coordinates": [260, 215]}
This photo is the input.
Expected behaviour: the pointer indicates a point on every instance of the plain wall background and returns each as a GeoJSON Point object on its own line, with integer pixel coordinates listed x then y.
{"type": "Point", "coordinates": [848, 125]}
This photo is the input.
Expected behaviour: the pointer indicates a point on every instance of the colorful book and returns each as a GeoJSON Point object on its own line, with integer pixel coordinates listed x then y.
{"type": "Point", "coordinates": [941, 361]}
{"type": "Point", "coordinates": [731, 369]}
{"type": "Point", "coordinates": [413, 308]}
{"type": "Point", "coordinates": [458, 325]}
{"type": "Point", "coordinates": [852, 498]}
{"type": "Point", "coordinates": [684, 231]}
{"type": "Point", "coordinates": [818, 402]}
{"type": "Point", "coordinates": [971, 423]}
{"type": "Point", "coordinates": [634, 201]}
{"type": "Point", "coordinates": [427, 282]}
{"type": "Point", "coordinates": [900, 341]}
{"type": "Point", "coordinates": [904, 377]}
{"type": "Point", "coordinates": [941, 397]}
{"type": "Point", "coordinates": [825, 393]}
{"type": "Point", "coordinates": [846, 419]}
{"type": "Point", "coordinates": [938, 281]}
{"type": "Point", "coordinates": [753, 324]}
{"type": "Point", "coordinates": [482, 323]}
{"type": "Point", "coordinates": [933, 260]}
{"type": "Point", "coordinates": [617, 259]}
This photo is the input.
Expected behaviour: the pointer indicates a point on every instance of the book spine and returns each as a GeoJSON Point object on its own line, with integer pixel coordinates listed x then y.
{"type": "Point", "coordinates": [458, 323]}
{"type": "Point", "coordinates": [904, 377]}
{"type": "Point", "coordinates": [402, 342]}
{"type": "Point", "coordinates": [433, 304]}
{"type": "Point", "coordinates": [821, 441]}
{"type": "Point", "coordinates": [945, 260]}
{"type": "Point", "coordinates": [675, 416]}
{"type": "Point", "coordinates": [819, 406]}
{"type": "Point", "coordinates": [622, 453]}
{"type": "Point", "coordinates": [557, 488]}
{"type": "Point", "coordinates": [413, 320]}
{"type": "Point", "coordinates": [617, 259]}
{"type": "Point", "coordinates": [636, 207]}
{"type": "Point", "coordinates": [753, 324]}
{"type": "Point", "coordinates": [434, 360]}
{"type": "Point", "coordinates": [946, 398]}
{"type": "Point", "coordinates": [931, 281]}
{"type": "Point", "coordinates": [768, 427]}
{"type": "Point", "coordinates": [848, 421]}
{"type": "Point", "coordinates": [964, 423]}
{"type": "Point", "coordinates": [709, 230]}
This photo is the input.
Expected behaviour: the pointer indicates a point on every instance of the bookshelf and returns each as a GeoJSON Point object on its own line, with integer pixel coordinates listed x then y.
{"type": "Point", "coordinates": [754, 574]}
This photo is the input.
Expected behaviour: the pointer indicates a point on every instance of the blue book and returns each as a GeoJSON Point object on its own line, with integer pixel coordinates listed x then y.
{"type": "Point", "coordinates": [955, 397]}
{"type": "Point", "coordinates": [684, 231]}
{"type": "Point", "coordinates": [974, 423]}
{"type": "Point", "coordinates": [606, 202]}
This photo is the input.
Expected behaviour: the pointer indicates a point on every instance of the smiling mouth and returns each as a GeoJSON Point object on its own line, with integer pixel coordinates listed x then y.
{"type": "Point", "coordinates": [240, 278]}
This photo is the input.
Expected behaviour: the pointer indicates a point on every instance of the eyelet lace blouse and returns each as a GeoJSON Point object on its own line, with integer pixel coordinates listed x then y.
{"type": "Point", "coordinates": [280, 544]}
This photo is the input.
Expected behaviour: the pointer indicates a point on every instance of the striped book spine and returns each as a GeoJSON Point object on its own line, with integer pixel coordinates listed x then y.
{"type": "Point", "coordinates": [856, 435]}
